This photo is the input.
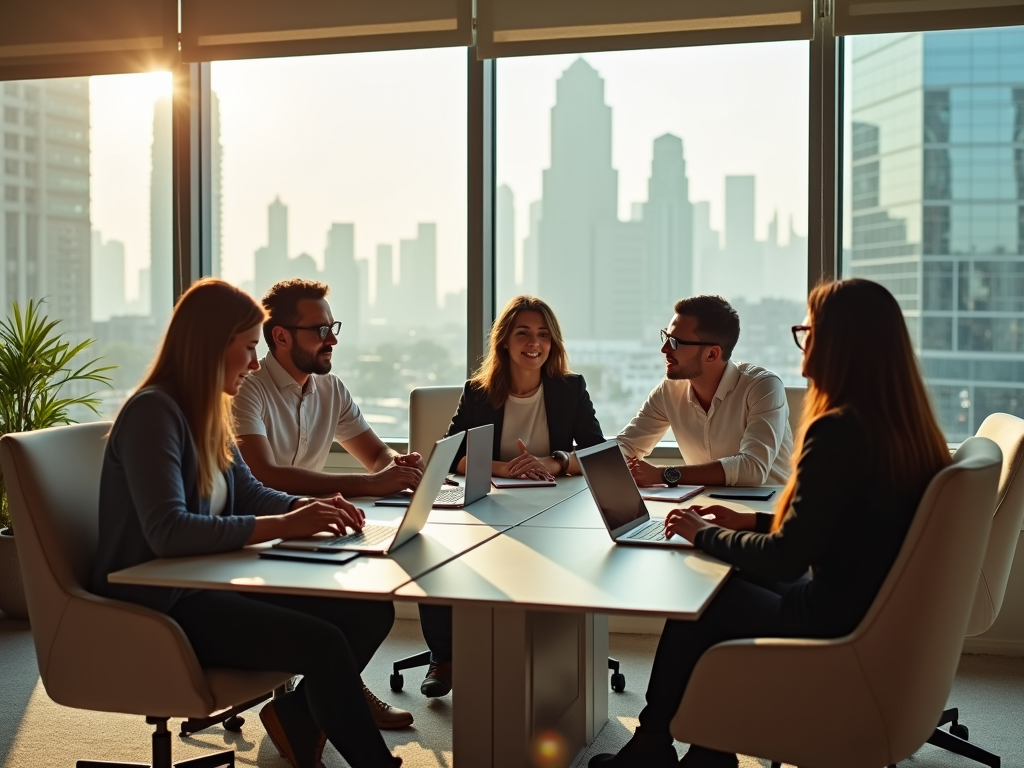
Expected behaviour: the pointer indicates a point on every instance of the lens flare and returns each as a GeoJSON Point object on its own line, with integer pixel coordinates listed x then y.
{"type": "Point", "coordinates": [549, 750]}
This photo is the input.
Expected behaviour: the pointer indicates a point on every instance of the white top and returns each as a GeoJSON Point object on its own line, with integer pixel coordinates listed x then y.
{"type": "Point", "coordinates": [526, 418]}
{"type": "Point", "coordinates": [219, 497]}
{"type": "Point", "coordinates": [300, 425]}
{"type": "Point", "coordinates": [747, 427]}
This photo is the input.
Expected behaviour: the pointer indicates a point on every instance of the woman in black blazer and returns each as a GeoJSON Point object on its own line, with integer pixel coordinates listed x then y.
{"type": "Point", "coordinates": [540, 410]}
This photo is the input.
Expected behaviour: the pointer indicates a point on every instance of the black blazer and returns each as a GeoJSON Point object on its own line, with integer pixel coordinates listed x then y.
{"type": "Point", "coordinates": [570, 415]}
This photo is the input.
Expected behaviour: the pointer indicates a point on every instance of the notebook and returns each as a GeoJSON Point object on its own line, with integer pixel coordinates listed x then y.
{"type": "Point", "coordinates": [385, 537]}
{"type": "Point", "coordinates": [618, 499]}
{"type": "Point", "coordinates": [521, 482]}
{"type": "Point", "coordinates": [674, 493]}
{"type": "Point", "coordinates": [479, 449]}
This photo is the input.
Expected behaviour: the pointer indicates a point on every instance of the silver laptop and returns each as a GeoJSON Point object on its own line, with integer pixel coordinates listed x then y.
{"type": "Point", "coordinates": [383, 538]}
{"type": "Point", "coordinates": [479, 450]}
{"type": "Point", "coordinates": [618, 499]}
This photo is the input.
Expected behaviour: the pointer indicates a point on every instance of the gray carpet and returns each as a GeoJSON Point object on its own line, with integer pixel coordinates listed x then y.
{"type": "Point", "coordinates": [36, 733]}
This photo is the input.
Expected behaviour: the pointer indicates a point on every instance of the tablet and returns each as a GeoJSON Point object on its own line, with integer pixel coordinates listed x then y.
{"type": "Point", "coordinates": [744, 494]}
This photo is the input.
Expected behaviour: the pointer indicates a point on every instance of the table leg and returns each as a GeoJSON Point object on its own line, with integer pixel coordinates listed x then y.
{"type": "Point", "coordinates": [526, 681]}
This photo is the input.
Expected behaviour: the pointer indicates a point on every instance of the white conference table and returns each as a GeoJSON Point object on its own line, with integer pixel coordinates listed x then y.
{"type": "Point", "coordinates": [531, 586]}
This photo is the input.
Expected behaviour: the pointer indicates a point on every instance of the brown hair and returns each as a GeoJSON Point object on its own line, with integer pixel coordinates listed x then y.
{"type": "Point", "coordinates": [494, 375]}
{"type": "Point", "coordinates": [190, 366]}
{"type": "Point", "coordinates": [717, 321]}
{"type": "Point", "coordinates": [859, 356]}
{"type": "Point", "coordinates": [282, 303]}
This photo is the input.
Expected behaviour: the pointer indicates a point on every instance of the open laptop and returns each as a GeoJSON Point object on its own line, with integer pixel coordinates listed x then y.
{"type": "Point", "coordinates": [383, 538]}
{"type": "Point", "coordinates": [618, 499]}
{"type": "Point", "coordinates": [479, 450]}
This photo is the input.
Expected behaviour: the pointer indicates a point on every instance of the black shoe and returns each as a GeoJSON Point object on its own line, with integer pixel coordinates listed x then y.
{"type": "Point", "coordinates": [702, 757]}
{"type": "Point", "coordinates": [438, 681]}
{"type": "Point", "coordinates": [641, 751]}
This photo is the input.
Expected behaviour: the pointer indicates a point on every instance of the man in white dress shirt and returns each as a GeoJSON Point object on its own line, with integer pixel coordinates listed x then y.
{"type": "Point", "coordinates": [290, 411]}
{"type": "Point", "coordinates": [731, 420]}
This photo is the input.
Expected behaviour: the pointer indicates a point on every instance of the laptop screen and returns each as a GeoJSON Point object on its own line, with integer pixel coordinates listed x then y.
{"type": "Point", "coordinates": [612, 485]}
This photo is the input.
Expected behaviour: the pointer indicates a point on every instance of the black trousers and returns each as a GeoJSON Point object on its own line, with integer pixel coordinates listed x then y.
{"type": "Point", "coordinates": [326, 640]}
{"type": "Point", "coordinates": [436, 625]}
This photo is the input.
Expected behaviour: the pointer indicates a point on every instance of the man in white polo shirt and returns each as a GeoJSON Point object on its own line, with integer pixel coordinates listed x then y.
{"type": "Point", "coordinates": [731, 420]}
{"type": "Point", "coordinates": [290, 411]}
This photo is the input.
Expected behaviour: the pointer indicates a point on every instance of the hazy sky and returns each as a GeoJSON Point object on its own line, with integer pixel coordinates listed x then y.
{"type": "Point", "coordinates": [379, 139]}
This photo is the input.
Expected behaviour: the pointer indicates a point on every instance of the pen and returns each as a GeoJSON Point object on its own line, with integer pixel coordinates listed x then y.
{"type": "Point", "coordinates": [449, 481]}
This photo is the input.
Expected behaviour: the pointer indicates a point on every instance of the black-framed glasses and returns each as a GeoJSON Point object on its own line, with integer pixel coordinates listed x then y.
{"type": "Point", "coordinates": [800, 335]}
{"type": "Point", "coordinates": [675, 343]}
{"type": "Point", "coordinates": [319, 330]}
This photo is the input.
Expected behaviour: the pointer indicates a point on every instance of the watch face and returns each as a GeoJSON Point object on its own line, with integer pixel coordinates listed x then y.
{"type": "Point", "coordinates": [671, 475]}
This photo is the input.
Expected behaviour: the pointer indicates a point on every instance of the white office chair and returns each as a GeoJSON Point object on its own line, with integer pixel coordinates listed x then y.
{"type": "Point", "coordinates": [795, 400]}
{"type": "Point", "coordinates": [871, 698]}
{"type": "Point", "coordinates": [93, 652]}
{"type": "Point", "coordinates": [430, 412]}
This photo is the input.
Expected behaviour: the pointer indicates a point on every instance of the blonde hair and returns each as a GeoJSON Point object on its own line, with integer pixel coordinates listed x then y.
{"type": "Point", "coordinates": [494, 375]}
{"type": "Point", "coordinates": [190, 366]}
{"type": "Point", "coordinates": [859, 356]}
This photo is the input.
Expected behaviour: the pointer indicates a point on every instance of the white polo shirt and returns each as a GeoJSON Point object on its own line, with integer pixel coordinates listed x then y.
{"type": "Point", "coordinates": [300, 426]}
{"type": "Point", "coordinates": [746, 428]}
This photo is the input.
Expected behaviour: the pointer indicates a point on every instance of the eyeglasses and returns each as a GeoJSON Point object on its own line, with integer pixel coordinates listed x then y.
{"type": "Point", "coordinates": [800, 335]}
{"type": "Point", "coordinates": [675, 343]}
{"type": "Point", "coordinates": [319, 330]}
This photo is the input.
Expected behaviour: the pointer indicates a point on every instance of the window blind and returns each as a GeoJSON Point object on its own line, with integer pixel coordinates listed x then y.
{"type": "Point", "coordinates": [865, 17]}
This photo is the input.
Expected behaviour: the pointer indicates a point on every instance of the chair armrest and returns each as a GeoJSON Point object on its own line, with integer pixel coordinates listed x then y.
{"type": "Point", "coordinates": [791, 700]}
{"type": "Point", "coordinates": [115, 656]}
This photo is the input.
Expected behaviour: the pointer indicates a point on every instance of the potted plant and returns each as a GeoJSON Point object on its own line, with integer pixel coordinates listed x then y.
{"type": "Point", "coordinates": [36, 361]}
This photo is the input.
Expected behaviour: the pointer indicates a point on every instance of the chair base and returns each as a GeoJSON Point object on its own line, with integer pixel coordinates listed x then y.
{"type": "Point", "coordinates": [162, 754]}
{"type": "Point", "coordinates": [229, 718]}
{"type": "Point", "coordinates": [956, 740]}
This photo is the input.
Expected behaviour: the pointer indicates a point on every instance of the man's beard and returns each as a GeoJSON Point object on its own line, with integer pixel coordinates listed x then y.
{"type": "Point", "coordinates": [310, 362]}
{"type": "Point", "coordinates": [681, 372]}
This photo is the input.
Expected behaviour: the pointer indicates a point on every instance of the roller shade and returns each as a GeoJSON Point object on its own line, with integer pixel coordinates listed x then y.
{"type": "Point", "coordinates": [246, 29]}
{"type": "Point", "coordinates": [51, 38]}
{"type": "Point", "coordinates": [530, 27]}
{"type": "Point", "coordinates": [865, 17]}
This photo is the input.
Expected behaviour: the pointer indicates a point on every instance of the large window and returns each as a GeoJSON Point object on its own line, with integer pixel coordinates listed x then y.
{"type": "Point", "coordinates": [85, 217]}
{"type": "Point", "coordinates": [629, 180]}
{"type": "Point", "coordinates": [934, 205]}
{"type": "Point", "coordinates": [351, 169]}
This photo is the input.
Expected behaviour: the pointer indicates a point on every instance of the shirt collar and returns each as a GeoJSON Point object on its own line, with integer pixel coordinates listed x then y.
{"type": "Point", "coordinates": [281, 378]}
{"type": "Point", "coordinates": [730, 378]}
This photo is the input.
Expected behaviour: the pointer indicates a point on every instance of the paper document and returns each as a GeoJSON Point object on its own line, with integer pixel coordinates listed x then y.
{"type": "Point", "coordinates": [679, 493]}
{"type": "Point", "coordinates": [520, 482]}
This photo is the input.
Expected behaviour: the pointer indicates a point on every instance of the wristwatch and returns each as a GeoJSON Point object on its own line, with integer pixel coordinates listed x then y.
{"type": "Point", "coordinates": [563, 461]}
{"type": "Point", "coordinates": [671, 476]}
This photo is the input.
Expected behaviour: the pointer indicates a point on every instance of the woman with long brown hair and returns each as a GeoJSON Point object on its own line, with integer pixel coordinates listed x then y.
{"type": "Point", "coordinates": [173, 483]}
{"type": "Point", "coordinates": [868, 446]}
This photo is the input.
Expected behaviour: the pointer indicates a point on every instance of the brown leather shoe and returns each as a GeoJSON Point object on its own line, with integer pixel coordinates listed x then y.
{"type": "Point", "coordinates": [438, 681]}
{"type": "Point", "coordinates": [386, 717]}
{"type": "Point", "coordinates": [293, 739]}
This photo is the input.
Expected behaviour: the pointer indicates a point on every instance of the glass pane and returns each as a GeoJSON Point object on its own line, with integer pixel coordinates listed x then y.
{"type": "Point", "coordinates": [629, 180]}
{"type": "Point", "coordinates": [86, 214]}
{"type": "Point", "coordinates": [351, 169]}
{"type": "Point", "coordinates": [934, 205]}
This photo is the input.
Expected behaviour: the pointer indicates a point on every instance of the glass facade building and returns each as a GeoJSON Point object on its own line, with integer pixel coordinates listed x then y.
{"type": "Point", "coordinates": [935, 206]}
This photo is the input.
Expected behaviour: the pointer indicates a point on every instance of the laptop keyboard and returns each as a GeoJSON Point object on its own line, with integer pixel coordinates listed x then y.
{"type": "Point", "coordinates": [371, 534]}
{"type": "Point", "coordinates": [653, 530]}
{"type": "Point", "coordinates": [450, 496]}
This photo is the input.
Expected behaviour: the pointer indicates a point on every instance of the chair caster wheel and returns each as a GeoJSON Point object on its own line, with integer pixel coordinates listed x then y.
{"type": "Point", "coordinates": [396, 682]}
{"type": "Point", "coordinates": [960, 731]}
{"type": "Point", "coordinates": [618, 682]}
{"type": "Point", "coordinates": [234, 723]}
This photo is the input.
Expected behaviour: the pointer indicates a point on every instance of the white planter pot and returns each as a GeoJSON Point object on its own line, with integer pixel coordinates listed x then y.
{"type": "Point", "coordinates": [12, 593]}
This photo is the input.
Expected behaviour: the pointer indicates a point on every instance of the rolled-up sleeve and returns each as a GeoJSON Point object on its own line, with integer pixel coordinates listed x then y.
{"type": "Point", "coordinates": [763, 436]}
{"type": "Point", "coordinates": [642, 434]}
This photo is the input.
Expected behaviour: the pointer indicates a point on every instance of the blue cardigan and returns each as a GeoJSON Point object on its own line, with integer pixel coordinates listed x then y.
{"type": "Point", "coordinates": [150, 504]}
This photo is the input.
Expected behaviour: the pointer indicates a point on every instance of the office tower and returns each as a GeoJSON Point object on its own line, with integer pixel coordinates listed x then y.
{"type": "Point", "coordinates": [384, 294]}
{"type": "Point", "coordinates": [937, 208]}
{"type": "Point", "coordinates": [531, 247]}
{"type": "Point", "coordinates": [108, 294]}
{"type": "Point", "coordinates": [781, 261]}
{"type": "Point", "coordinates": [417, 277]}
{"type": "Point", "coordinates": [580, 193]}
{"type": "Point", "coordinates": [161, 217]}
{"type": "Point", "coordinates": [668, 222]}
{"type": "Point", "coordinates": [741, 257]}
{"type": "Point", "coordinates": [708, 272]}
{"type": "Point", "coordinates": [217, 204]}
{"type": "Point", "coordinates": [303, 267]}
{"type": "Point", "coordinates": [342, 274]}
{"type": "Point", "coordinates": [45, 233]}
{"type": "Point", "coordinates": [617, 283]}
{"type": "Point", "coordinates": [272, 259]}
{"type": "Point", "coordinates": [505, 286]}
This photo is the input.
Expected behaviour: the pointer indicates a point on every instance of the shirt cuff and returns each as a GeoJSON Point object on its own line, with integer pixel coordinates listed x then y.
{"type": "Point", "coordinates": [763, 522]}
{"type": "Point", "coordinates": [731, 465]}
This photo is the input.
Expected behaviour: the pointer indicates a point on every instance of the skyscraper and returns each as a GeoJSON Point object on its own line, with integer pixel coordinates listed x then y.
{"type": "Point", "coordinates": [161, 217]}
{"type": "Point", "coordinates": [580, 194]}
{"type": "Point", "coordinates": [342, 275]}
{"type": "Point", "coordinates": [45, 237]}
{"type": "Point", "coordinates": [668, 225]}
{"type": "Point", "coordinates": [531, 248]}
{"type": "Point", "coordinates": [108, 278]}
{"type": "Point", "coordinates": [937, 206]}
{"type": "Point", "coordinates": [272, 259]}
{"type": "Point", "coordinates": [741, 256]}
{"type": "Point", "coordinates": [384, 295]}
{"type": "Point", "coordinates": [505, 286]}
{"type": "Point", "coordinates": [418, 277]}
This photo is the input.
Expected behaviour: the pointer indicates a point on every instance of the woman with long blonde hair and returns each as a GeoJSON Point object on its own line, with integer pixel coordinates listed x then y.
{"type": "Point", "coordinates": [868, 446]}
{"type": "Point", "coordinates": [173, 483]}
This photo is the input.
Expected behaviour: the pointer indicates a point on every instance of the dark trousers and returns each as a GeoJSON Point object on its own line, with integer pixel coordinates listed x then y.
{"type": "Point", "coordinates": [436, 625]}
{"type": "Point", "coordinates": [327, 641]}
